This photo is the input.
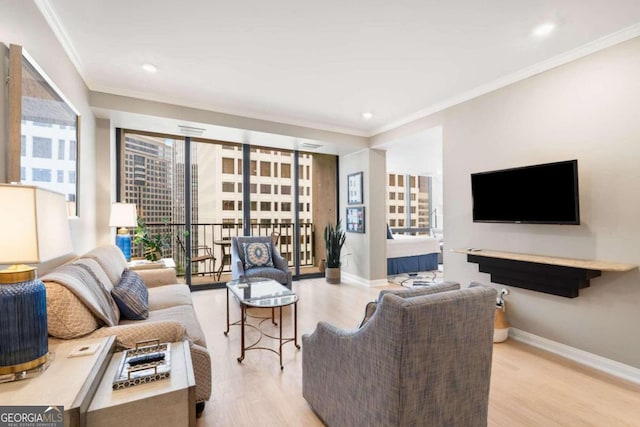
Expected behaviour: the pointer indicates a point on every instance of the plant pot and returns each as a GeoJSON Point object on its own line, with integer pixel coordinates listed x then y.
{"type": "Point", "coordinates": [333, 275]}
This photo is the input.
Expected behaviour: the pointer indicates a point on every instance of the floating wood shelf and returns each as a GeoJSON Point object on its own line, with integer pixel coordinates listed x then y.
{"type": "Point", "coordinates": [552, 275]}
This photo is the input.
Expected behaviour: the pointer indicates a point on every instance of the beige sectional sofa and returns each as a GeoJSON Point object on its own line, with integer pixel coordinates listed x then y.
{"type": "Point", "coordinates": [79, 306]}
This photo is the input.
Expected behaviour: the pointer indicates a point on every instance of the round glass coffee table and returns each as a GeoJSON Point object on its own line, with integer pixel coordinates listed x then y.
{"type": "Point", "coordinates": [262, 293]}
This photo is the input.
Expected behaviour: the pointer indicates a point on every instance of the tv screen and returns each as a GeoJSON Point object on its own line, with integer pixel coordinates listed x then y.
{"type": "Point", "coordinates": [539, 194]}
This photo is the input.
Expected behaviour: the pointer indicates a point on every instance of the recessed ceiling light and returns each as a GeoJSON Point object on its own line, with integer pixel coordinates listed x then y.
{"type": "Point", "coordinates": [367, 115]}
{"type": "Point", "coordinates": [149, 68]}
{"type": "Point", "coordinates": [544, 29]}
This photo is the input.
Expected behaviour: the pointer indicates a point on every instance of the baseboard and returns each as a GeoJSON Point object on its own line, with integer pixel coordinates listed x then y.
{"type": "Point", "coordinates": [611, 367]}
{"type": "Point", "coordinates": [357, 280]}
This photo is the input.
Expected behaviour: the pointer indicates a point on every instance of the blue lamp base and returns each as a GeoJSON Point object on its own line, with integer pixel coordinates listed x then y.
{"type": "Point", "coordinates": [123, 241]}
{"type": "Point", "coordinates": [24, 342]}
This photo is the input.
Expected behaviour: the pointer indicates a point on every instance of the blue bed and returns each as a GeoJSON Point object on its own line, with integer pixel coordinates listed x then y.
{"type": "Point", "coordinates": [410, 254]}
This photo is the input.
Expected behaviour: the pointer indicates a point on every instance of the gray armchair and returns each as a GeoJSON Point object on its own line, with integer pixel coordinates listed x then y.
{"type": "Point", "coordinates": [423, 358]}
{"type": "Point", "coordinates": [279, 272]}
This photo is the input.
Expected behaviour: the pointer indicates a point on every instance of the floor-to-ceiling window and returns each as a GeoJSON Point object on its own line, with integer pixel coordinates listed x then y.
{"type": "Point", "coordinates": [280, 184]}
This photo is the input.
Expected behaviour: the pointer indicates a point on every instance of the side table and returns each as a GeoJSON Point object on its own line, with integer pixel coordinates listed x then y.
{"type": "Point", "coordinates": [143, 264]}
{"type": "Point", "coordinates": [68, 381]}
{"type": "Point", "coordinates": [167, 402]}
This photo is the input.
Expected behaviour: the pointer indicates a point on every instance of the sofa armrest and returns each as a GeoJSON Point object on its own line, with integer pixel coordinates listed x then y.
{"type": "Point", "coordinates": [158, 277]}
{"type": "Point", "coordinates": [128, 335]}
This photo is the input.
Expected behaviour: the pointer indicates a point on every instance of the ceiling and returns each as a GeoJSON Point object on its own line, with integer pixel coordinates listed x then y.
{"type": "Point", "coordinates": [322, 64]}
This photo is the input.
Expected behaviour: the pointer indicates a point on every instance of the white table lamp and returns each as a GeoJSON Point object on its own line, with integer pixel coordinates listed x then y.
{"type": "Point", "coordinates": [34, 227]}
{"type": "Point", "coordinates": [123, 215]}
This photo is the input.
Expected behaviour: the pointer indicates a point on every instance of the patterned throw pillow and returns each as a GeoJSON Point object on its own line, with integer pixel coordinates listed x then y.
{"type": "Point", "coordinates": [257, 255]}
{"type": "Point", "coordinates": [132, 296]}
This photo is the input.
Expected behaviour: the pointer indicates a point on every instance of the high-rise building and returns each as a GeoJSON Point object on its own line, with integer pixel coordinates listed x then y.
{"type": "Point", "coordinates": [408, 201]}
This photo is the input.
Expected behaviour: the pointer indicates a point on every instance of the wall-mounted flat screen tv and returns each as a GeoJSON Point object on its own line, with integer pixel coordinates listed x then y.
{"type": "Point", "coordinates": [538, 194]}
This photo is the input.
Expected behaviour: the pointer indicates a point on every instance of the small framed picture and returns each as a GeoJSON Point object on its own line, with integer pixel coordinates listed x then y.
{"type": "Point", "coordinates": [354, 188]}
{"type": "Point", "coordinates": [355, 219]}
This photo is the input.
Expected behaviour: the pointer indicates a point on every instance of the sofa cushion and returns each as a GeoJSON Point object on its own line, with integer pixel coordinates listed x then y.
{"type": "Point", "coordinates": [257, 254]}
{"type": "Point", "coordinates": [111, 260]}
{"type": "Point", "coordinates": [132, 296]}
{"type": "Point", "coordinates": [169, 296]}
{"type": "Point", "coordinates": [183, 314]}
{"type": "Point", "coordinates": [80, 279]}
{"type": "Point", "coordinates": [67, 316]}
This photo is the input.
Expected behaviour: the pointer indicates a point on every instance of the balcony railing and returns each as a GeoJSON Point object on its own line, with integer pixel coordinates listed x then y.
{"type": "Point", "coordinates": [213, 235]}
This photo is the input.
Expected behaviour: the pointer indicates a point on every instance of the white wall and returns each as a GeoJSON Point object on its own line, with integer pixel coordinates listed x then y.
{"type": "Point", "coordinates": [588, 110]}
{"type": "Point", "coordinates": [362, 253]}
{"type": "Point", "coordinates": [21, 23]}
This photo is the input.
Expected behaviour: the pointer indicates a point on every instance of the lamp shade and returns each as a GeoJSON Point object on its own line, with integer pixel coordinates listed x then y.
{"type": "Point", "coordinates": [34, 227]}
{"type": "Point", "coordinates": [123, 215]}
{"type": "Point", "coordinates": [33, 224]}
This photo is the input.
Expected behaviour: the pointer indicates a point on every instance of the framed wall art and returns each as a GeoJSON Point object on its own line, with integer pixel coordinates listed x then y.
{"type": "Point", "coordinates": [354, 188]}
{"type": "Point", "coordinates": [355, 219]}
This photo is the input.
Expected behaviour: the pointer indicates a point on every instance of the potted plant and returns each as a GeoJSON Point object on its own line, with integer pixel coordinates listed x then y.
{"type": "Point", "coordinates": [153, 244]}
{"type": "Point", "coordinates": [334, 238]}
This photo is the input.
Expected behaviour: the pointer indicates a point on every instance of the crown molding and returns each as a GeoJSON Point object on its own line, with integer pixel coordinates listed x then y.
{"type": "Point", "coordinates": [558, 60]}
{"type": "Point", "coordinates": [61, 34]}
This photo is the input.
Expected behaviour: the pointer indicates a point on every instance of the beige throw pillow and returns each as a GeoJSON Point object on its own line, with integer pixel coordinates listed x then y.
{"type": "Point", "coordinates": [67, 316]}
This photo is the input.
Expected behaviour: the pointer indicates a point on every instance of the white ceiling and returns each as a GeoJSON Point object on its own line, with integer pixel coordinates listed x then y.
{"type": "Point", "coordinates": [321, 64]}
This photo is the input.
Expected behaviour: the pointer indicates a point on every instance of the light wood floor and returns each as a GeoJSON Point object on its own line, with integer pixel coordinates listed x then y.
{"type": "Point", "coordinates": [528, 387]}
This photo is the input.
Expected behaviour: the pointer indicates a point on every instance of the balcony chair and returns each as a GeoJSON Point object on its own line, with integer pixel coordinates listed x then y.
{"type": "Point", "coordinates": [278, 270]}
{"type": "Point", "coordinates": [200, 254]}
{"type": "Point", "coordinates": [422, 358]}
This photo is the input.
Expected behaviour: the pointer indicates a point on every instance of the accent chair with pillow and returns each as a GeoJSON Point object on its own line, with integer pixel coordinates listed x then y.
{"type": "Point", "coordinates": [422, 358]}
{"type": "Point", "coordinates": [256, 256]}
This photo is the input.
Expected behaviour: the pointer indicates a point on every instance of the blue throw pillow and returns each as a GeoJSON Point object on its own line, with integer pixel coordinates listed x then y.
{"type": "Point", "coordinates": [389, 235]}
{"type": "Point", "coordinates": [257, 254]}
{"type": "Point", "coordinates": [132, 296]}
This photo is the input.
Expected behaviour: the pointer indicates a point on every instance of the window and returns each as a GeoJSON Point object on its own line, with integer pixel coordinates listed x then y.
{"type": "Point", "coordinates": [392, 209]}
{"type": "Point", "coordinates": [228, 205]}
{"type": "Point", "coordinates": [254, 206]}
{"type": "Point", "coordinates": [400, 181]}
{"type": "Point", "coordinates": [400, 209]}
{"type": "Point", "coordinates": [239, 187]}
{"type": "Point", "coordinates": [285, 206]}
{"type": "Point", "coordinates": [41, 148]}
{"type": "Point", "coordinates": [60, 177]}
{"type": "Point", "coordinates": [265, 188]}
{"type": "Point", "coordinates": [285, 189]}
{"type": "Point", "coordinates": [392, 223]}
{"type": "Point", "coordinates": [72, 150]}
{"type": "Point", "coordinates": [41, 175]}
{"type": "Point", "coordinates": [392, 195]}
{"type": "Point", "coordinates": [46, 119]}
{"type": "Point", "coordinates": [392, 180]}
{"type": "Point", "coordinates": [239, 166]}
{"type": "Point", "coordinates": [265, 168]}
{"type": "Point", "coordinates": [227, 165]}
{"type": "Point", "coordinates": [265, 207]}
{"type": "Point", "coordinates": [254, 167]}
{"type": "Point", "coordinates": [285, 170]}
{"type": "Point", "coordinates": [228, 187]}
{"type": "Point", "coordinates": [253, 188]}
{"type": "Point", "coordinates": [412, 181]}
{"type": "Point", "coordinates": [400, 196]}
{"type": "Point", "coordinates": [61, 149]}
{"type": "Point", "coordinates": [72, 177]}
